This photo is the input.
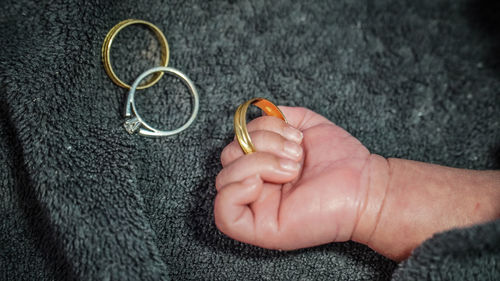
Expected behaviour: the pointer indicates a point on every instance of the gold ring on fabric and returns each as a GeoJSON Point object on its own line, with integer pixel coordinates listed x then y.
{"type": "Point", "coordinates": [240, 121]}
{"type": "Point", "coordinates": [106, 46]}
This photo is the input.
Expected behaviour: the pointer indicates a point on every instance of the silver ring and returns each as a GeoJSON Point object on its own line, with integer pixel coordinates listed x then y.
{"type": "Point", "coordinates": [135, 123]}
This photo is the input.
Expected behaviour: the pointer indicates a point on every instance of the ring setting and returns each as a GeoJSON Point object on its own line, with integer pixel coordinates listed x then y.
{"type": "Point", "coordinates": [135, 123]}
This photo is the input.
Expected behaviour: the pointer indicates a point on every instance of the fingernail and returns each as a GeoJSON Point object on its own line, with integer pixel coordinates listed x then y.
{"type": "Point", "coordinates": [289, 165]}
{"type": "Point", "coordinates": [292, 149]}
{"type": "Point", "coordinates": [292, 134]}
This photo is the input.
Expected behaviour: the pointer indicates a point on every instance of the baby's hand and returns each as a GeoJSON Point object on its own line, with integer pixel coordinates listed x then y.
{"type": "Point", "coordinates": [303, 187]}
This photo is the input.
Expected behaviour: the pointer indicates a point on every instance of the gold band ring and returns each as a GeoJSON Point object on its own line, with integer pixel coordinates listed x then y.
{"type": "Point", "coordinates": [106, 46]}
{"type": "Point", "coordinates": [240, 121]}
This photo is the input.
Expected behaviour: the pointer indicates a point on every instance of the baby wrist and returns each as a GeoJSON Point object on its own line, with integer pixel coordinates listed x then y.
{"type": "Point", "coordinates": [374, 186]}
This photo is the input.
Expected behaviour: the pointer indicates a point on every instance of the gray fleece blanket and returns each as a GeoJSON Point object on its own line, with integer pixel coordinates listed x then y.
{"type": "Point", "coordinates": [80, 199]}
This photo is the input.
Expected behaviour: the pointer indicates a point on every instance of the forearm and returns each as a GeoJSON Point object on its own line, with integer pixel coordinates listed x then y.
{"type": "Point", "coordinates": [409, 201]}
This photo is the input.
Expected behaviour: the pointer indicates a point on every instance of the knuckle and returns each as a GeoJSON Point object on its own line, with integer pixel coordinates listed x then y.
{"type": "Point", "coordinates": [265, 160]}
{"type": "Point", "coordinates": [258, 137]}
{"type": "Point", "coordinates": [220, 222]}
{"type": "Point", "coordinates": [225, 152]}
{"type": "Point", "coordinates": [231, 152]}
{"type": "Point", "coordinates": [265, 139]}
{"type": "Point", "coordinates": [219, 180]}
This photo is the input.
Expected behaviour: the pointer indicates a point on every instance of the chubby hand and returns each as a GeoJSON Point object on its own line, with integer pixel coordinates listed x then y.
{"type": "Point", "coordinates": [303, 187]}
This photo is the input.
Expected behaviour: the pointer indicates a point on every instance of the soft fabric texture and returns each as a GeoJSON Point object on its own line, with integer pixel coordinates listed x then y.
{"type": "Point", "coordinates": [82, 199]}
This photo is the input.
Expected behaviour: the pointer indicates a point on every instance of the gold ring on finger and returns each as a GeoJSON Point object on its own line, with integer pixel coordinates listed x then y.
{"type": "Point", "coordinates": [240, 120]}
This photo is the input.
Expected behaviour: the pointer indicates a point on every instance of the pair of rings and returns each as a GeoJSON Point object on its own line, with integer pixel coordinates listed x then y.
{"type": "Point", "coordinates": [135, 123]}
